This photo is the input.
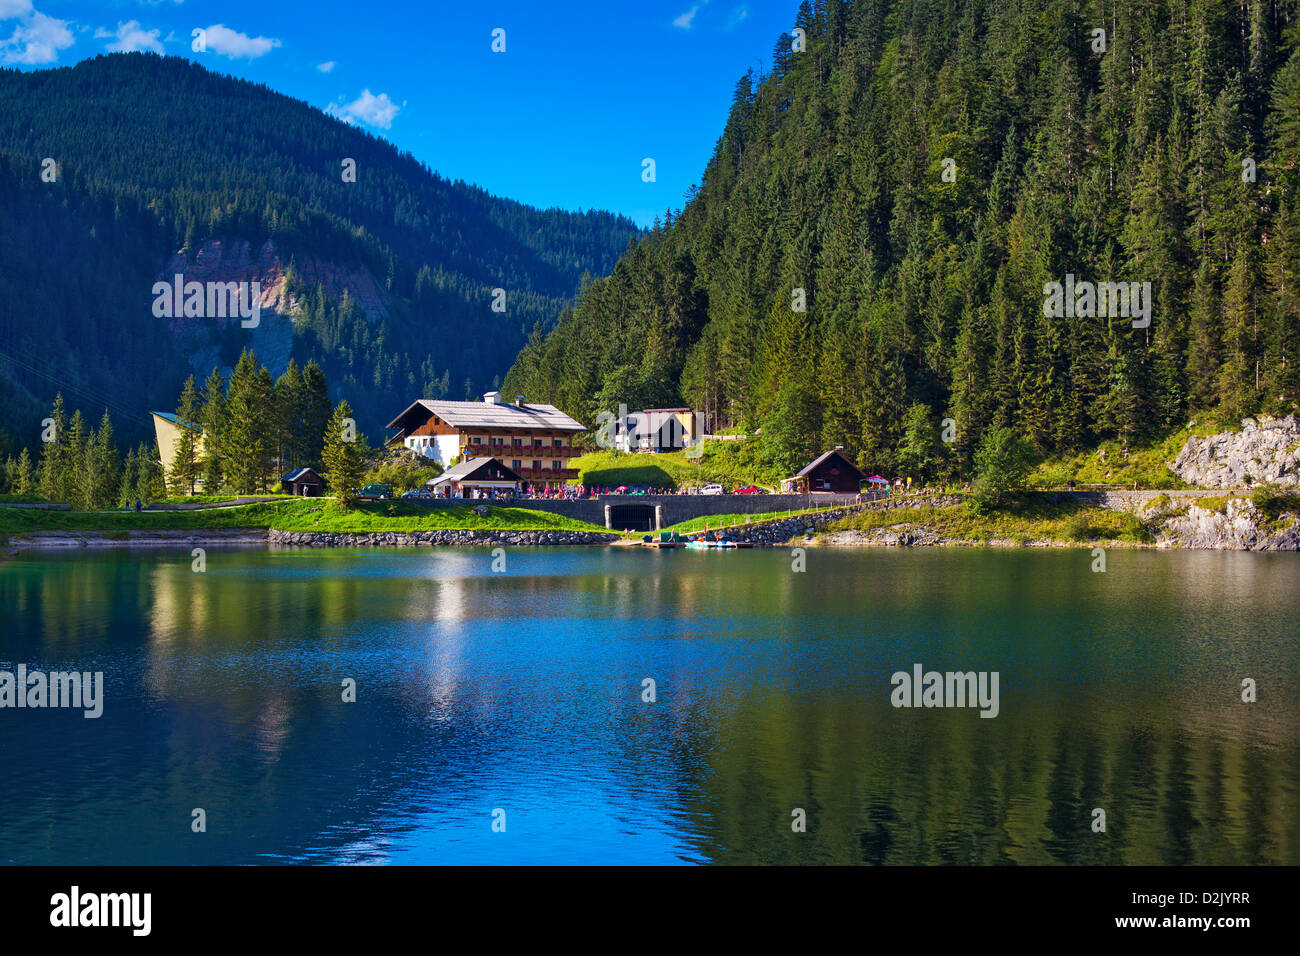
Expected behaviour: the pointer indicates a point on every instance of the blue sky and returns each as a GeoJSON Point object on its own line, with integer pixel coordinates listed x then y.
{"type": "Point", "coordinates": [584, 92]}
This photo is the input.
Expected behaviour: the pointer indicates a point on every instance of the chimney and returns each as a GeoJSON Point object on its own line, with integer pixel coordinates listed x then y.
{"type": "Point", "coordinates": [492, 398]}
{"type": "Point", "coordinates": [519, 401]}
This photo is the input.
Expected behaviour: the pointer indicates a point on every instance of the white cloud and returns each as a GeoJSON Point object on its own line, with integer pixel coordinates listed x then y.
{"type": "Point", "coordinates": [36, 38]}
{"type": "Point", "coordinates": [326, 66]}
{"type": "Point", "coordinates": [738, 16]}
{"type": "Point", "coordinates": [684, 21]}
{"type": "Point", "coordinates": [131, 38]}
{"type": "Point", "coordinates": [367, 108]}
{"type": "Point", "coordinates": [235, 45]}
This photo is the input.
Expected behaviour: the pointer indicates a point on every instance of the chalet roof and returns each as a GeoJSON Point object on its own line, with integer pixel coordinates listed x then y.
{"type": "Point", "coordinates": [298, 473]}
{"type": "Point", "coordinates": [176, 420]}
{"type": "Point", "coordinates": [807, 469]}
{"type": "Point", "coordinates": [467, 468]}
{"type": "Point", "coordinates": [489, 415]}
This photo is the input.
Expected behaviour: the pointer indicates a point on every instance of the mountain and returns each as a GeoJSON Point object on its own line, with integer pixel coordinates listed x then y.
{"type": "Point", "coordinates": [161, 167]}
{"type": "Point", "coordinates": [918, 176]}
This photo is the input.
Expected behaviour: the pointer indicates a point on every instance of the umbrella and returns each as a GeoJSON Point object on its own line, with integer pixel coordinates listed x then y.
{"type": "Point", "coordinates": [620, 489]}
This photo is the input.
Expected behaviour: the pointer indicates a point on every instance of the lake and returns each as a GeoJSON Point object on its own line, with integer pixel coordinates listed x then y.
{"type": "Point", "coordinates": [504, 716]}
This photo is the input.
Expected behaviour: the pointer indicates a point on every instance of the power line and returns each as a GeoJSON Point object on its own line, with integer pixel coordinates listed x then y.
{"type": "Point", "coordinates": [99, 400]}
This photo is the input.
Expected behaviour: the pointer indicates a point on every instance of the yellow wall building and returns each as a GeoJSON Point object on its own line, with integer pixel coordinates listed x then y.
{"type": "Point", "coordinates": [167, 427]}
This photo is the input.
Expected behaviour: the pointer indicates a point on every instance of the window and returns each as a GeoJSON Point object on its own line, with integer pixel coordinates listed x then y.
{"type": "Point", "coordinates": [516, 464]}
{"type": "Point", "coordinates": [537, 443]}
{"type": "Point", "coordinates": [498, 440]}
{"type": "Point", "coordinates": [559, 443]}
{"type": "Point", "coordinates": [537, 466]}
{"type": "Point", "coordinates": [556, 465]}
{"type": "Point", "coordinates": [519, 442]}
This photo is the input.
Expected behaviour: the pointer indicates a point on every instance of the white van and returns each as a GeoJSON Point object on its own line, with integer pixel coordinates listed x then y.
{"type": "Point", "coordinates": [712, 490]}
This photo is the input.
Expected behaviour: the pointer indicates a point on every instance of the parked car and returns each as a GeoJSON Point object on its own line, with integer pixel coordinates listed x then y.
{"type": "Point", "coordinates": [713, 490]}
{"type": "Point", "coordinates": [376, 491]}
{"type": "Point", "coordinates": [750, 490]}
{"type": "Point", "coordinates": [417, 493]}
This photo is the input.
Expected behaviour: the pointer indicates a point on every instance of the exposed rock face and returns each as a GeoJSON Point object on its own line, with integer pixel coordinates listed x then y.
{"type": "Point", "coordinates": [427, 539]}
{"type": "Point", "coordinates": [239, 261]}
{"type": "Point", "coordinates": [1267, 450]}
{"type": "Point", "coordinates": [1239, 527]}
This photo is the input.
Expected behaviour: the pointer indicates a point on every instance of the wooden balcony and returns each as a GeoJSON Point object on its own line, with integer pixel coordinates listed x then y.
{"type": "Point", "coordinates": [546, 474]}
{"type": "Point", "coordinates": [506, 452]}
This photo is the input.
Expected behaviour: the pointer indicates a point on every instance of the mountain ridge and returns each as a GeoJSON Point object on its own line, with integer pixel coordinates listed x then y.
{"type": "Point", "coordinates": [161, 161]}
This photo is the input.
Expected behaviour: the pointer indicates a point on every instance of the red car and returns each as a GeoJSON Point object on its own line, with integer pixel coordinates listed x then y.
{"type": "Point", "coordinates": [750, 490]}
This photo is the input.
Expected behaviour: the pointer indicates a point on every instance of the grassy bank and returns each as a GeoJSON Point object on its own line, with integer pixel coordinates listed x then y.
{"type": "Point", "coordinates": [1027, 518]}
{"type": "Point", "coordinates": [728, 463]}
{"type": "Point", "coordinates": [1111, 464]}
{"type": "Point", "coordinates": [293, 514]}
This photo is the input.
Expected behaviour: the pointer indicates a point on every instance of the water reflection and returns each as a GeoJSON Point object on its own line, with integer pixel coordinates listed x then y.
{"type": "Point", "coordinates": [522, 691]}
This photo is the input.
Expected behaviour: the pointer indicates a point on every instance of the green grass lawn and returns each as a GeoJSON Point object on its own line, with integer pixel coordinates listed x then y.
{"type": "Point", "coordinates": [293, 514]}
{"type": "Point", "coordinates": [1028, 517]}
{"type": "Point", "coordinates": [728, 463]}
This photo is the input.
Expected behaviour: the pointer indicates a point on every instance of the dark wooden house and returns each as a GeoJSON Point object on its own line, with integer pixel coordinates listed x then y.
{"type": "Point", "coordinates": [303, 482]}
{"type": "Point", "coordinates": [831, 472]}
{"type": "Point", "coordinates": [477, 478]}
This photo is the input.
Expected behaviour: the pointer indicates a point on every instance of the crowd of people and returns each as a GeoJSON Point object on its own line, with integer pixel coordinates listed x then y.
{"type": "Point", "coordinates": [897, 486]}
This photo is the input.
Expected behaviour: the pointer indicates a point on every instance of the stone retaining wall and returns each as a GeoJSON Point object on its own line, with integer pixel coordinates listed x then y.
{"type": "Point", "coordinates": [442, 537]}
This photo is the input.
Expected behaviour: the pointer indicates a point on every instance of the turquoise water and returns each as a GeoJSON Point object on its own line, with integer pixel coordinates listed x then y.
{"type": "Point", "coordinates": [521, 693]}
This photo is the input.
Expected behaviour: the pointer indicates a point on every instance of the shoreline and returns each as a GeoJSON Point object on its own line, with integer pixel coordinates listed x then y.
{"type": "Point", "coordinates": [64, 541]}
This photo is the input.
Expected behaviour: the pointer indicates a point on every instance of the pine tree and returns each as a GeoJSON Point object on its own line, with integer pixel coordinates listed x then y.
{"type": "Point", "coordinates": [287, 415]}
{"type": "Point", "coordinates": [316, 410]}
{"type": "Point", "coordinates": [246, 437]}
{"type": "Point", "coordinates": [25, 480]}
{"type": "Point", "coordinates": [343, 455]}
{"type": "Point", "coordinates": [185, 464]}
{"type": "Point", "coordinates": [149, 483]}
{"type": "Point", "coordinates": [920, 446]}
{"type": "Point", "coordinates": [101, 468]}
{"type": "Point", "coordinates": [54, 441]}
{"type": "Point", "coordinates": [212, 418]}
{"type": "Point", "coordinates": [126, 490]}
{"type": "Point", "coordinates": [73, 463]}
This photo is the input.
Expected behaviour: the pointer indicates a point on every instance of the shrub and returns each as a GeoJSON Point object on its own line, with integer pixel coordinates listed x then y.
{"type": "Point", "coordinates": [1001, 464]}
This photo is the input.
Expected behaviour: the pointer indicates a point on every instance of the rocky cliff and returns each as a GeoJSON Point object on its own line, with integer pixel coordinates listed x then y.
{"type": "Point", "coordinates": [1265, 451]}
{"type": "Point", "coordinates": [239, 261]}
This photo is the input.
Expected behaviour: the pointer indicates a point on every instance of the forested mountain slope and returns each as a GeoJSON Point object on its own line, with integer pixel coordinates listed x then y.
{"type": "Point", "coordinates": [166, 167]}
{"type": "Point", "coordinates": [1170, 157]}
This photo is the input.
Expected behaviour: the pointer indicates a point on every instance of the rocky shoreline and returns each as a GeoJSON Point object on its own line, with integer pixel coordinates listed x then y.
{"type": "Point", "coordinates": [64, 540]}
{"type": "Point", "coordinates": [243, 537]}
{"type": "Point", "coordinates": [1175, 520]}
{"type": "Point", "coordinates": [440, 538]}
